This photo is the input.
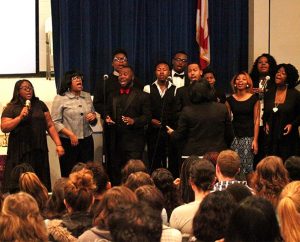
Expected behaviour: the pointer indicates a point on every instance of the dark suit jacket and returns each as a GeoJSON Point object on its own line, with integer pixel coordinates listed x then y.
{"type": "Point", "coordinates": [205, 127]}
{"type": "Point", "coordinates": [137, 106]}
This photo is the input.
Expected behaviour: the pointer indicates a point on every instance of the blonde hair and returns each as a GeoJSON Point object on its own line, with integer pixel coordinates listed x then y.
{"type": "Point", "coordinates": [20, 219]}
{"type": "Point", "coordinates": [270, 178]}
{"type": "Point", "coordinates": [288, 211]}
{"type": "Point", "coordinates": [30, 183]}
{"type": "Point", "coordinates": [248, 78]}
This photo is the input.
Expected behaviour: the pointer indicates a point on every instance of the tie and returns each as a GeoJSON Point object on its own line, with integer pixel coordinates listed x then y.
{"type": "Point", "coordinates": [179, 75]}
{"type": "Point", "coordinates": [124, 90]}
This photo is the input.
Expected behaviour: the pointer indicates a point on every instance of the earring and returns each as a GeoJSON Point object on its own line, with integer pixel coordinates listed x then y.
{"type": "Point", "coordinates": [234, 85]}
{"type": "Point", "coordinates": [247, 86]}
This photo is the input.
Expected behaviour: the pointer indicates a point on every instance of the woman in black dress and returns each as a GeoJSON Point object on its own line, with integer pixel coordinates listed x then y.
{"type": "Point", "coordinates": [27, 119]}
{"type": "Point", "coordinates": [282, 114]}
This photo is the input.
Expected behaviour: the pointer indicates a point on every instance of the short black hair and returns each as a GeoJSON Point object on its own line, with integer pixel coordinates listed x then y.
{"type": "Point", "coordinates": [162, 62]}
{"type": "Point", "coordinates": [209, 70]}
{"type": "Point", "coordinates": [179, 52]}
{"type": "Point", "coordinates": [119, 51]}
{"type": "Point", "coordinates": [67, 80]}
{"type": "Point", "coordinates": [201, 91]}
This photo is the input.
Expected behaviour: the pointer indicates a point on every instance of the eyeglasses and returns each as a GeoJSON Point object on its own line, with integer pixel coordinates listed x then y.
{"type": "Point", "coordinates": [76, 77]}
{"type": "Point", "coordinates": [120, 59]}
{"type": "Point", "coordinates": [26, 88]}
{"type": "Point", "coordinates": [180, 60]}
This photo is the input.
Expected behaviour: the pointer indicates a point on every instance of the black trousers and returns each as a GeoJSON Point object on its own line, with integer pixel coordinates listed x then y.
{"type": "Point", "coordinates": [83, 152]}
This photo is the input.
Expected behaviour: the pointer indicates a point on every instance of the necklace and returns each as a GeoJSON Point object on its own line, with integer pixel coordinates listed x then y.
{"type": "Point", "coordinates": [279, 99]}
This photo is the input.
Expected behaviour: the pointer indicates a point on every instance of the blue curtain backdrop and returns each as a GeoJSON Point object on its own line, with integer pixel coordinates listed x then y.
{"type": "Point", "coordinates": [86, 32]}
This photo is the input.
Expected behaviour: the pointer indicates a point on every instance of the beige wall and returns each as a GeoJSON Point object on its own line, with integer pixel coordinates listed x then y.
{"type": "Point", "coordinates": [284, 30]}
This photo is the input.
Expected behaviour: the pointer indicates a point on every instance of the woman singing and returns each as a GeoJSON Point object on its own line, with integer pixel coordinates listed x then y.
{"type": "Point", "coordinates": [73, 113]}
{"type": "Point", "coordinates": [27, 119]}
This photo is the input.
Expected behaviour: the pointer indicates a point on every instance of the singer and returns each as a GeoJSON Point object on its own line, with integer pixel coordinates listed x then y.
{"type": "Point", "coordinates": [73, 113]}
{"type": "Point", "coordinates": [27, 125]}
{"type": "Point", "coordinates": [127, 115]}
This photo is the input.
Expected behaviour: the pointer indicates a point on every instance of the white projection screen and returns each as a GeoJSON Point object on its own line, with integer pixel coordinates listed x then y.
{"type": "Point", "coordinates": [18, 37]}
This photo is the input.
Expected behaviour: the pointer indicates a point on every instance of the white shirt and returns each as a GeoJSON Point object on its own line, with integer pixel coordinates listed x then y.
{"type": "Point", "coordinates": [177, 81]}
{"type": "Point", "coordinates": [161, 93]}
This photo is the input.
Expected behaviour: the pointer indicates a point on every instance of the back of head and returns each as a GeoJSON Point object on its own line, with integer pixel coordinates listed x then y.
{"type": "Point", "coordinates": [131, 167]}
{"type": "Point", "coordinates": [200, 92]}
{"type": "Point", "coordinates": [212, 217]}
{"type": "Point", "coordinates": [270, 178]}
{"type": "Point", "coordinates": [202, 174]}
{"type": "Point", "coordinates": [135, 223]}
{"type": "Point", "coordinates": [229, 163]}
{"type": "Point", "coordinates": [239, 191]}
{"type": "Point", "coordinates": [151, 196]}
{"type": "Point", "coordinates": [99, 175]}
{"type": "Point", "coordinates": [113, 198]}
{"type": "Point", "coordinates": [79, 190]}
{"type": "Point", "coordinates": [138, 179]}
{"type": "Point", "coordinates": [253, 220]}
{"type": "Point", "coordinates": [288, 211]}
{"type": "Point", "coordinates": [15, 176]}
{"type": "Point", "coordinates": [292, 164]}
{"type": "Point", "coordinates": [30, 183]}
{"type": "Point", "coordinates": [186, 192]}
{"type": "Point", "coordinates": [20, 219]}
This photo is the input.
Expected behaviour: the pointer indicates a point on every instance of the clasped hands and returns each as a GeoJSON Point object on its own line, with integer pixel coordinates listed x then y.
{"type": "Point", "coordinates": [127, 120]}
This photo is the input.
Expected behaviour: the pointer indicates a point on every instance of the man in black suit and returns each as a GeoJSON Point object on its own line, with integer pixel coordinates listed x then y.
{"type": "Point", "coordinates": [179, 64]}
{"type": "Point", "coordinates": [127, 116]}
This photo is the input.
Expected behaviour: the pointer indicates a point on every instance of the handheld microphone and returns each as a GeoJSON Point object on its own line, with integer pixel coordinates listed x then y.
{"type": "Point", "coordinates": [170, 79]}
{"type": "Point", "coordinates": [105, 77]}
{"type": "Point", "coordinates": [267, 78]}
{"type": "Point", "coordinates": [27, 104]}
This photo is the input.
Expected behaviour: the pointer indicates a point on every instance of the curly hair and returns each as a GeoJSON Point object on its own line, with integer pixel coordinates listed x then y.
{"type": "Point", "coordinates": [288, 211]}
{"type": "Point", "coordinates": [20, 219]}
{"type": "Point", "coordinates": [292, 74]}
{"type": "Point", "coordinates": [164, 181]}
{"type": "Point", "coordinates": [79, 190]}
{"type": "Point", "coordinates": [270, 178]}
{"type": "Point", "coordinates": [212, 218]}
{"type": "Point", "coordinates": [255, 74]}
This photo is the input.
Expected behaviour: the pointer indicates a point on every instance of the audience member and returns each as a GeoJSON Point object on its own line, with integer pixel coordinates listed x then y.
{"type": "Point", "coordinates": [163, 108]}
{"type": "Point", "coordinates": [202, 177]}
{"type": "Point", "coordinates": [282, 114]}
{"type": "Point", "coordinates": [212, 218]}
{"type": "Point", "coordinates": [179, 63]}
{"type": "Point", "coordinates": [210, 76]}
{"type": "Point", "coordinates": [270, 178]}
{"type": "Point", "coordinates": [212, 156]}
{"type": "Point", "coordinates": [26, 119]}
{"type": "Point", "coordinates": [292, 164]}
{"type": "Point", "coordinates": [205, 125]}
{"type": "Point", "coordinates": [73, 115]}
{"type": "Point", "coordinates": [135, 223]}
{"type": "Point", "coordinates": [111, 200]}
{"type": "Point", "coordinates": [55, 207]}
{"type": "Point", "coordinates": [20, 219]}
{"type": "Point", "coordinates": [228, 166]}
{"type": "Point", "coordinates": [102, 182]}
{"type": "Point", "coordinates": [16, 172]}
{"type": "Point", "coordinates": [78, 167]}
{"type": "Point", "coordinates": [79, 198]}
{"type": "Point", "coordinates": [244, 107]}
{"type": "Point", "coordinates": [30, 183]}
{"type": "Point", "coordinates": [239, 192]}
{"type": "Point", "coordinates": [164, 181]}
{"type": "Point", "coordinates": [186, 192]}
{"type": "Point", "coordinates": [153, 197]}
{"type": "Point", "coordinates": [132, 166]}
{"type": "Point", "coordinates": [138, 179]}
{"type": "Point", "coordinates": [253, 221]}
{"type": "Point", "coordinates": [288, 211]}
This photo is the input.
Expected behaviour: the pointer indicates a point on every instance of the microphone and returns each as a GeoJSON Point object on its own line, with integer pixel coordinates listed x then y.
{"type": "Point", "coordinates": [267, 78]}
{"type": "Point", "coordinates": [27, 104]}
{"type": "Point", "coordinates": [105, 77]}
{"type": "Point", "coordinates": [170, 79]}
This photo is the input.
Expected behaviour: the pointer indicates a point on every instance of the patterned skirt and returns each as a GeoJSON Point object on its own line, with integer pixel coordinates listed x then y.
{"type": "Point", "coordinates": [242, 145]}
